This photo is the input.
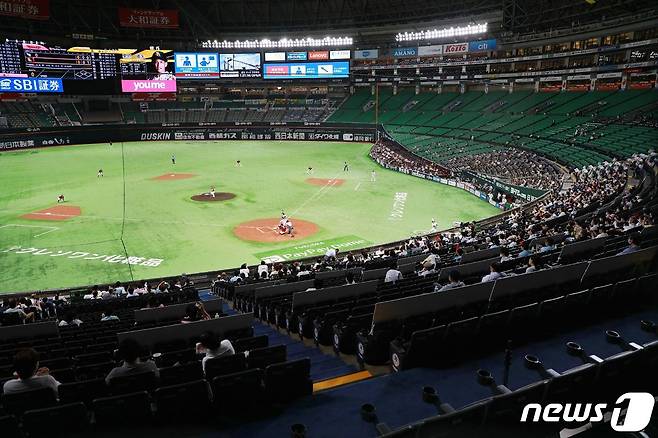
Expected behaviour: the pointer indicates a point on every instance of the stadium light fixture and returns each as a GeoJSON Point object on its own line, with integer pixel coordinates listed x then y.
{"type": "Point", "coordinates": [447, 32]}
{"type": "Point", "coordinates": [278, 44]}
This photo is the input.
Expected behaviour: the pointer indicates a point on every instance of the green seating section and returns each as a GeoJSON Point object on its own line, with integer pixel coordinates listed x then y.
{"type": "Point", "coordinates": [562, 126]}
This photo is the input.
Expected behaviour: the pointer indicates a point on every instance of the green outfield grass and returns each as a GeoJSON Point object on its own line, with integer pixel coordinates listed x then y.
{"type": "Point", "coordinates": [162, 222]}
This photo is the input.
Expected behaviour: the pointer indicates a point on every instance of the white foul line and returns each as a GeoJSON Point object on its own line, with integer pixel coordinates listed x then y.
{"type": "Point", "coordinates": [50, 229]}
{"type": "Point", "coordinates": [317, 195]}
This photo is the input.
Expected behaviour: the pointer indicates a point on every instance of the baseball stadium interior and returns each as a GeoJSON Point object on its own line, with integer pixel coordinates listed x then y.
{"type": "Point", "coordinates": [511, 291]}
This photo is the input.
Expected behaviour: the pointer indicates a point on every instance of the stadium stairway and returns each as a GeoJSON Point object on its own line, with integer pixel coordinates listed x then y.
{"type": "Point", "coordinates": [398, 399]}
{"type": "Point", "coordinates": [323, 366]}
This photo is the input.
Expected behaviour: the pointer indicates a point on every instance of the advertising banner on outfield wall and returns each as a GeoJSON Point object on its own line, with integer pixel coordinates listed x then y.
{"type": "Point", "coordinates": [30, 9]}
{"type": "Point", "coordinates": [366, 54]}
{"type": "Point", "coordinates": [99, 134]}
{"type": "Point", "coordinates": [149, 18]}
{"type": "Point", "coordinates": [525, 193]}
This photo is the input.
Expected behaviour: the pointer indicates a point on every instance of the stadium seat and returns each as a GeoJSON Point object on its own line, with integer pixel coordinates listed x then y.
{"type": "Point", "coordinates": [421, 350]}
{"type": "Point", "coordinates": [220, 366]}
{"type": "Point", "coordinates": [189, 401]}
{"type": "Point", "coordinates": [237, 392]}
{"type": "Point", "coordinates": [145, 381]}
{"type": "Point", "coordinates": [247, 344]}
{"type": "Point", "coordinates": [93, 371]}
{"type": "Point", "coordinates": [60, 420]}
{"type": "Point", "coordinates": [187, 372]}
{"type": "Point", "coordinates": [465, 422]}
{"type": "Point", "coordinates": [573, 385]}
{"type": "Point", "coordinates": [92, 358]}
{"type": "Point", "coordinates": [289, 380]}
{"type": "Point", "coordinates": [7, 319]}
{"type": "Point", "coordinates": [133, 408]}
{"type": "Point", "coordinates": [20, 402]}
{"type": "Point", "coordinates": [506, 409]}
{"type": "Point", "coordinates": [9, 426]}
{"type": "Point", "coordinates": [84, 391]}
{"type": "Point", "coordinates": [262, 357]}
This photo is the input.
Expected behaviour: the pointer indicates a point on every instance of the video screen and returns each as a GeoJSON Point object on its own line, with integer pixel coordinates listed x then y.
{"type": "Point", "coordinates": [148, 71]}
{"type": "Point", "coordinates": [240, 65]}
{"type": "Point", "coordinates": [196, 65]}
{"type": "Point", "coordinates": [307, 70]}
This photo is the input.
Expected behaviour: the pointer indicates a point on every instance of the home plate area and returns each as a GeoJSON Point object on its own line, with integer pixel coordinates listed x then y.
{"type": "Point", "coordinates": [265, 230]}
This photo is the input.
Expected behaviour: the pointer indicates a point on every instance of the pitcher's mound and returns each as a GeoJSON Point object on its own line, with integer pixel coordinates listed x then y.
{"type": "Point", "coordinates": [56, 213]}
{"type": "Point", "coordinates": [325, 182]}
{"type": "Point", "coordinates": [219, 196]}
{"type": "Point", "coordinates": [265, 230]}
{"type": "Point", "coordinates": [173, 176]}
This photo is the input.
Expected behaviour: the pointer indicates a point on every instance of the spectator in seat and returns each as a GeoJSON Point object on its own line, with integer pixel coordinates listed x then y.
{"type": "Point", "coordinates": [109, 317]}
{"type": "Point", "coordinates": [29, 375]}
{"type": "Point", "coordinates": [429, 263]}
{"type": "Point", "coordinates": [633, 244]}
{"type": "Point", "coordinates": [331, 254]}
{"type": "Point", "coordinates": [548, 246]}
{"type": "Point", "coordinates": [244, 270]}
{"type": "Point", "coordinates": [195, 312]}
{"type": "Point", "coordinates": [317, 284]}
{"type": "Point", "coordinates": [454, 277]}
{"type": "Point", "coordinates": [13, 307]}
{"type": "Point", "coordinates": [504, 255]}
{"type": "Point", "coordinates": [494, 273]}
{"type": "Point", "coordinates": [129, 350]}
{"type": "Point", "coordinates": [119, 290]}
{"type": "Point", "coordinates": [525, 251]}
{"type": "Point", "coordinates": [392, 275]}
{"type": "Point", "coordinates": [263, 268]}
{"type": "Point", "coordinates": [534, 263]}
{"type": "Point", "coordinates": [210, 345]}
{"type": "Point", "coordinates": [70, 319]}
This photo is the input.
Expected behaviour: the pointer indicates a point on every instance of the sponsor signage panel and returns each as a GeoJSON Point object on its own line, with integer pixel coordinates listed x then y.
{"type": "Point", "coordinates": [296, 56]}
{"type": "Point", "coordinates": [482, 46]}
{"type": "Point", "coordinates": [318, 56]}
{"type": "Point", "coordinates": [366, 54]}
{"type": "Point", "coordinates": [148, 86]}
{"type": "Point", "coordinates": [405, 52]}
{"type": "Point", "coordinates": [30, 9]}
{"type": "Point", "coordinates": [339, 54]}
{"type": "Point", "coordinates": [436, 49]}
{"type": "Point", "coordinates": [275, 56]}
{"type": "Point", "coordinates": [31, 85]}
{"type": "Point", "coordinates": [451, 49]}
{"type": "Point", "coordinates": [160, 18]}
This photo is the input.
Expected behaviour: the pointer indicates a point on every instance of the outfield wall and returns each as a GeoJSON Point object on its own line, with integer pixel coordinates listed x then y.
{"type": "Point", "coordinates": [60, 136]}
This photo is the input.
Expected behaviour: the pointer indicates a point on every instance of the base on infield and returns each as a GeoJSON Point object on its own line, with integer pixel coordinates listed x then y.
{"type": "Point", "coordinates": [325, 181]}
{"type": "Point", "coordinates": [173, 176]}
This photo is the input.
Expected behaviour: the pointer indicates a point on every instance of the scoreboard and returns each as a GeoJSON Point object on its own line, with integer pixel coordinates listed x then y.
{"type": "Point", "coordinates": [82, 70]}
